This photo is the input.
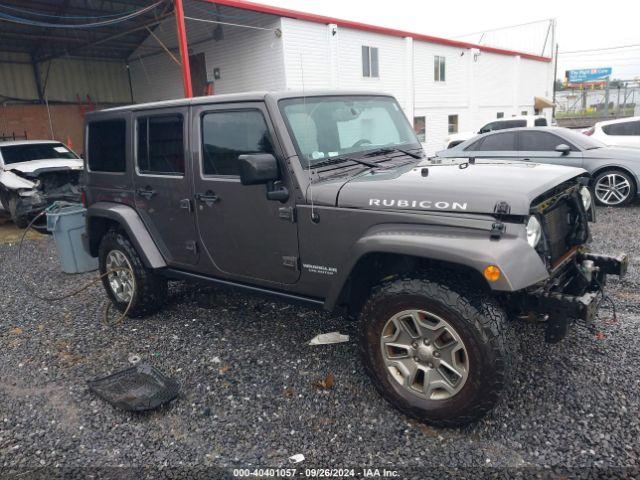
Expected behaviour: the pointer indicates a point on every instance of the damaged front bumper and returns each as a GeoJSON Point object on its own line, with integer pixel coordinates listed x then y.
{"type": "Point", "coordinates": [32, 202]}
{"type": "Point", "coordinates": [574, 292]}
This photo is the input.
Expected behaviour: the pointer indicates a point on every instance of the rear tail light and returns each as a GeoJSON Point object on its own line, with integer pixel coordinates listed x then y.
{"type": "Point", "coordinates": [589, 132]}
{"type": "Point", "coordinates": [83, 198]}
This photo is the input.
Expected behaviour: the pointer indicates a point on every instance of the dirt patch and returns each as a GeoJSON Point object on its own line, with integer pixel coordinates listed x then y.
{"type": "Point", "coordinates": [10, 234]}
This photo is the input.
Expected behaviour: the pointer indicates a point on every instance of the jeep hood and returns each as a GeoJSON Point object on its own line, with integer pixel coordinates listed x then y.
{"type": "Point", "coordinates": [35, 166]}
{"type": "Point", "coordinates": [473, 188]}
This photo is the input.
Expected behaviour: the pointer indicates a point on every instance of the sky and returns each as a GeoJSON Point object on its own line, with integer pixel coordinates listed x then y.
{"type": "Point", "coordinates": [580, 25]}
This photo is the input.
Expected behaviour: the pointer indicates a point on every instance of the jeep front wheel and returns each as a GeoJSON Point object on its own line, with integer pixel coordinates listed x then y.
{"type": "Point", "coordinates": [126, 279]}
{"type": "Point", "coordinates": [436, 352]}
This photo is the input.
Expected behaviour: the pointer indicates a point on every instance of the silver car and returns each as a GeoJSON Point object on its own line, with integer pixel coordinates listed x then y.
{"type": "Point", "coordinates": [615, 171]}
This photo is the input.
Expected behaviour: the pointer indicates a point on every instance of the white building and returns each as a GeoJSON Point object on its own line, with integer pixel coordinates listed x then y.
{"type": "Point", "coordinates": [444, 85]}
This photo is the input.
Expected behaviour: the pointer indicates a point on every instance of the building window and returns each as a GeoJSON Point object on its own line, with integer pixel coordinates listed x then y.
{"type": "Point", "coordinates": [370, 62]}
{"type": "Point", "coordinates": [524, 113]}
{"type": "Point", "coordinates": [107, 146]}
{"type": "Point", "coordinates": [438, 68]}
{"type": "Point", "coordinates": [161, 145]}
{"type": "Point", "coordinates": [420, 127]}
{"type": "Point", "coordinates": [500, 115]}
{"type": "Point", "coordinates": [453, 123]}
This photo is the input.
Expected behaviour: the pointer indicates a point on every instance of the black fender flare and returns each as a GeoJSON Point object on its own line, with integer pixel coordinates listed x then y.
{"type": "Point", "coordinates": [129, 220]}
{"type": "Point", "coordinates": [521, 266]}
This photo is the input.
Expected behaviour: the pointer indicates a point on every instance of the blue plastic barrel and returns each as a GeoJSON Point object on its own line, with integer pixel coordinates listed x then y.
{"type": "Point", "coordinates": [67, 224]}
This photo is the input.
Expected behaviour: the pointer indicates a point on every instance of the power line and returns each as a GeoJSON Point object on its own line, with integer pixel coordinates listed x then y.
{"type": "Point", "coordinates": [600, 49]}
{"type": "Point", "coordinates": [503, 28]}
{"type": "Point", "coordinates": [49, 15]}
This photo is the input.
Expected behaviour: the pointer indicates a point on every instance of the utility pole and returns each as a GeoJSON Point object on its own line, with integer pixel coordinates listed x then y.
{"type": "Point", "coordinates": [555, 77]}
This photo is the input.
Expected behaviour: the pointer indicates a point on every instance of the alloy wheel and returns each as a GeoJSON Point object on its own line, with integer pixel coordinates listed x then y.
{"type": "Point", "coordinates": [612, 189]}
{"type": "Point", "coordinates": [424, 354]}
{"type": "Point", "coordinates": [121, 280]}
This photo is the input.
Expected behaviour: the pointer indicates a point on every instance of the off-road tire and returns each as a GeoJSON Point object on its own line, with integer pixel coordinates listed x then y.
{"type": "Point", "coordinates": [478, 319]}
{"type": "Point", "coordinates": [150, 289]}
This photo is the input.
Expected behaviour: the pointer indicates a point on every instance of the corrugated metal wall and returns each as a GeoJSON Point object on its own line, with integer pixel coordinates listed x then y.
{"type": "Point", "coordinates": [104, 81]}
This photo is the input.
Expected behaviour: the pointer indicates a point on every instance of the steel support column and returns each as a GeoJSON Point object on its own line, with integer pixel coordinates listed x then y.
{"type": "Point", "coordinates": [184, 51]}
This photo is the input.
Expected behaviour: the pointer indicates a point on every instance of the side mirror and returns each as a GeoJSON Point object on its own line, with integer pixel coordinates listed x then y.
{"type": "Point", "coordinates": [258, 169]}
{"type": "Point", "coordinates": [563, 148]}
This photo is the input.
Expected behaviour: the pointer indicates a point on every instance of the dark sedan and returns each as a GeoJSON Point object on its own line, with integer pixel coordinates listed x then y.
{"type": "Point", "coordinates": [615, 171]}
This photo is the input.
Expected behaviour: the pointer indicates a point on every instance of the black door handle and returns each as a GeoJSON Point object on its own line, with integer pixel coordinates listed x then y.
{"type": "Point", "coordinates": [147, 192]}
{"type": "Point", "coordinates": [208, 197]}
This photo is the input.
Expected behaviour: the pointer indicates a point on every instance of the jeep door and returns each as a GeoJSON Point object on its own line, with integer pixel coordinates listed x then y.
{"type": "Point", "coordinates": [244, 235]}
{"type": "Point", "coordinates": [540, 146]}
{"type": "Point", "coordinates": [162, 182]}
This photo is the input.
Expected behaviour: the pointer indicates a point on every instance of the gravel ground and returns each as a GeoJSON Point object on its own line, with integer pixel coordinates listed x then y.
{"type": "Point", "coordinates": [248, 398]}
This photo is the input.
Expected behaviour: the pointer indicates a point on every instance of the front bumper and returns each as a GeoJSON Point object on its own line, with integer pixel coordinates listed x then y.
{"type": "Point", "coordinates": [574, 293]}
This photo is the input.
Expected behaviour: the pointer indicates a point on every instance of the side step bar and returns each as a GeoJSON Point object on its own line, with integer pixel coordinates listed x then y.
{"type": "Point", "coordinates": [180, 275]}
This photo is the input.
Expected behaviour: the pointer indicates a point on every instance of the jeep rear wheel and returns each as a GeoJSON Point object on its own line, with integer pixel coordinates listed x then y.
{"type": "Point", "coordinates": [126, 279]}
{"type": "Point", "coordinates": [436, 352]}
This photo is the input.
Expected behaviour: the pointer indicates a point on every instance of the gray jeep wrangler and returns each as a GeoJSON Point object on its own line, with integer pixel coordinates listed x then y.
{"type": "Point", "coordinates": [325, 198]}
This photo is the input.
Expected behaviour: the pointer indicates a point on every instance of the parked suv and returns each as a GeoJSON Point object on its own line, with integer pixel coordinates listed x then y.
{"type": "Point", "coordinates": [621, 132]}
{"type": "Point", "coordinates": [324, 198]}
{"type": "Point", "coordinates": [499, 124]}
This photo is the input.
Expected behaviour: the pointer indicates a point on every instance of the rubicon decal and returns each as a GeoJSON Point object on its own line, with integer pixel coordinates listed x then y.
{"type": "Point", "coordinates": [417, 204]}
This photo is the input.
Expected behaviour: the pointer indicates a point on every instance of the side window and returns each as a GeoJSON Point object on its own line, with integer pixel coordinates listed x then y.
{"type": "Point", "coordinates": [488, 127]}
{"type": "Point", "coordinates": [227, 135]}
{"type": "Point", "coordinates": [161, 145]}
{"type": "Point", "coordinates": [498, 142]}
{"type": "Point", "coordinates": [539, 141]}
{"type": "Point", "coordinates": [540, 122]}
{"type": "Point", "coordinates": [107, 146]}
{"type": "Point", "coordinates": [622, 128]}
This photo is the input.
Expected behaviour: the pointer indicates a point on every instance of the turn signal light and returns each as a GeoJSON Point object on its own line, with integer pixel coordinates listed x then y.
{"type": "Point", "coordinates": [492, 273]}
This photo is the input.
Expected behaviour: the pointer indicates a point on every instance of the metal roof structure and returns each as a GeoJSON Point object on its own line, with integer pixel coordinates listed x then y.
{"type": "Point", "coordinates": [96, 29]}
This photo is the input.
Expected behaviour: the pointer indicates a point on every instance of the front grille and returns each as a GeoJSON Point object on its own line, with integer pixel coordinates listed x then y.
{"type": "Point", "coordinates": [558, 230]}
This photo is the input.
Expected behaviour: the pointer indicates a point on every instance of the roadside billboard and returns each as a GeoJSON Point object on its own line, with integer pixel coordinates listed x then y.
{"type": "Point", "coordinates": [587, 74]}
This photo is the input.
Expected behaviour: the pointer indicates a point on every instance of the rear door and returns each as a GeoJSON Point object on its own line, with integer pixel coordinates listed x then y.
{"type": "Point", "coordinates": [245, 235]}
{"type": "Point", "coordinates": [495, 145]}
{"type": "Point", "coordinates": [163, 194]}
{"type": "Point", "coordinates": [537, 146]}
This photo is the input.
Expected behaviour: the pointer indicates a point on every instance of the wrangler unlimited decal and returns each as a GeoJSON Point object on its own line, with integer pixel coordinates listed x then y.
{"type": "Point", "coordinates": [420, 204]}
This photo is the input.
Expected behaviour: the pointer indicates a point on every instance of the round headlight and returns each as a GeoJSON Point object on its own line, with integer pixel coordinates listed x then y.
{"type": "Point", "coordinates": [534, 231]}
{"type": "Point", "coordinates": [585, 193]}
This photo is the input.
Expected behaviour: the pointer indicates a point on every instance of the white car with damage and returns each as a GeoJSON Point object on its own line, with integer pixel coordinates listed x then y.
{"type": "Point", "coordinates": [34, 174]}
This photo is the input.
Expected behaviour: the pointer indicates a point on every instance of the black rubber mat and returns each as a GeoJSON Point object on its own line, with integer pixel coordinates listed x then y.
{"type": "Point", "coordinates": [136, 389]}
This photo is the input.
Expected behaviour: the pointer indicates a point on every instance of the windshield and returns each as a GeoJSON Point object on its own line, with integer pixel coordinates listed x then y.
{"type": "Point", "coordinates": [581, 140]}
{"type": "Point", "coordinates": [327, 127]}
{"type": "Point", "coordinates": [35, 151]}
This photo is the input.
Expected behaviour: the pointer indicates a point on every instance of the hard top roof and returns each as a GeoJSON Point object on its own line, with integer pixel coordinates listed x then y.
{"type": "Point", "coordinates": [238, 97]}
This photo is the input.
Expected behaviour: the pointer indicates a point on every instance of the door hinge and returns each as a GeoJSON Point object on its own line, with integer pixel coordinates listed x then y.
{"type": "Point", "coordinates": [287, 213]}
{"type": "Point", "coordinates": [497, 229]}
{"type": "Point", "coordinates": [192, 246]}
{"type": "Point", "coordinates": [290, 262]}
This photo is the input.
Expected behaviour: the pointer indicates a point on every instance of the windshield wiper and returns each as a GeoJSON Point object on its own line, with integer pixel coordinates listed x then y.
{"type": "Point", "coordinates": [345, 159]}
{"type": "Point", "coordinates": [383, 150]}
